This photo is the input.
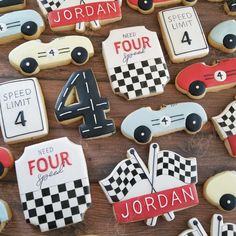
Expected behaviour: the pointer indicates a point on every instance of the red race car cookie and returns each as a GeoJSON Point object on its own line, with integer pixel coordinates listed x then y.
{"type": "Point", "coordinates": [197, 79]}
{"type": "Point", "coordinates": [6, 161]}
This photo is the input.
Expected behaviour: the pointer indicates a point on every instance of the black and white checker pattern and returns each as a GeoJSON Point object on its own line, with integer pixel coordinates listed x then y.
{"type": "Point", "coordinates": [51, 5]}
{"type": "Point", "coordinates": [228, 230]}
{"type": "Point", "coordinates": [57, 206]}
{"type": "Point", "coordinates": [172, 164]}
{"type": "Point", "coordinates": [140, 79]}
{"type": "Point", "coordinates": [124, 178]}
{"type": "Point", "coordinates": [227, 120]}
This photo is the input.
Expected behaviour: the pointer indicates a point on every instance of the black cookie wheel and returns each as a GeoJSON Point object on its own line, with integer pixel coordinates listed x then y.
{"type": "Point", "coordinates": [197, 88]}
{"type": "Point", "coordinates": [229, 41]}
{"type": "Point", "coordinates": [29, 28]}
{"type": "Point", "coordinates": [228, 202]}
{"type": "Point", "coordinates": [193, 123]}
{"type": "Point", "coordinates": [145, 5]}
{"type": "Point", "coordinates": [79, 55]}
{"type": "Point", "coordinates": [142, 134]}
{"type": "Point", "coordinates": [1, 169]}
{"type": "Point", "coordinates": [29, 65]}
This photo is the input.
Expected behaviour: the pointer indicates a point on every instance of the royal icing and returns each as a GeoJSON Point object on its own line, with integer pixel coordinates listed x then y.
{"type": "Point", "coordinates": [26, 24]}
{"type": "Point", "coordinates": [223, 36]}
{"type": "Point", "coordinates": [145, 123]}
{"type": "Point", "coordinates": [138, 193]}
{"type": "Point", "coordinates": [90, 105]}
{"type": "Point", "coordinates": [9, 5]}
{"type": "Point", "coordinates": [77, 14]}
{"type": "Point", "coordinates": [18, 98]}
{"type": "Point", "coordinates": [30, 57]}
{"type": "Point", "coordinates": [197, 79]}
{"type": "Point", "coordinates": [195, 229]}
{"type": "Point", "coordinates": [5, 214]}
{"type": "Point", "coordinates": [6, 162]}
{"type": "Point", "coordinates": [53, 183]}
{"type": "Point", "coordinates": [224, 197]}
{"type": "Point", "coordinates": [183, 34]}
{"type": "Point", "coordinates": [230, 7]}
{"type": "Point", "coordinates": [225, 125]}
{"type": "Point", "coordinates": [135, 62]}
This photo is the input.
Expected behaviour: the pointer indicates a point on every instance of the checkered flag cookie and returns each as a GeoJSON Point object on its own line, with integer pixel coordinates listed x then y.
{"type": "Point", "coordinates": [51, 5]}
{"type": "Point", "coordinates": [57, 206]}
{"type": "Point", "coordinates": [228, 230]}
{"type": "Point", "coordinates": [140, 79]}
{"type": "Point", "coordinates": [226, 122]}
{"type": "Point", "coordinates": [125, 175]}
{"type": "Point", "coordinates": [172, 164]}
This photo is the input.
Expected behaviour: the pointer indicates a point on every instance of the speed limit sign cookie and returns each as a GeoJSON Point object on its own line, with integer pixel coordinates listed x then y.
{"type": "Point", "coordinates": [23, 112]}
{"type": "Point", "coordinates": [183, 34]}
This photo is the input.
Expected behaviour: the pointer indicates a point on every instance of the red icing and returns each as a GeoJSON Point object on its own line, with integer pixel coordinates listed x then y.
{"type": "Point", "coordinates": [205, 73]}
{"type": "Point", "coordinates": [232, 142]}
{"type": "Point", "coordinates": [5, 157]}
{"type": "Point", "coordinates": [84, 13]}
{"type": "Point", "coordinates": [148, 206]}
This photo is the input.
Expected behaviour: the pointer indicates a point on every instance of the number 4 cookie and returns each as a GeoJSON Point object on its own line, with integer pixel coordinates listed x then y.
{"type": "Point", "coordinates": [183, 34]}
{"type": "Point", "coordinates": [23, 112]}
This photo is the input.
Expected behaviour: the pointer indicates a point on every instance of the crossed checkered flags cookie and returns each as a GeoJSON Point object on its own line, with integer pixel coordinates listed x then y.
{"type": "Point", "coordinates": [51, 5]}
{"type": "Point", "coordinates": [131, 175]}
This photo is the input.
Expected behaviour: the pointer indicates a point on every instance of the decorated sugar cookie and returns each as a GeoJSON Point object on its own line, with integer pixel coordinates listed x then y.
{"type": "Point", "coordinates": [135, 62]}
{"type": "Point", "coordinates": [78, 14]}
{"type": "Point", "coordinates": [145, 123]}
{"type": "Point", "coordinates": [11, 5]}
{"type": "Point", "coordinates": [225, 125]}
{"type": "Point", "coordinates": [198, 79]}
{"type": "Point", "coordinates": [6, 162]}
{"type": "Point", "coordinates": [140, 193]}
{"type": "Point", "coordinates": [23, 112]}
{"type": "Point", "coordinates": [27, 24]}
{"type": "Point", "coordinates": [220, 190]}
{"type": "Point", "coordinates": [183, 34]}
{"type": "Point", "coordinates": [223, 36]}
{"type": "Point", "coordinates": [195, 229]}
{"type": "Point", "coordinates": [31, 57]}
{"type": "Point", "coordinates": [5, 214]}
{"type": "Point", "coordinates": [80, 99]}
{"type": "Point", "coordinates": [148, 6]}
{"type": "Point", "coordinates": [230, 7]}
{"type": "Point", "coordinates": [53, 183]}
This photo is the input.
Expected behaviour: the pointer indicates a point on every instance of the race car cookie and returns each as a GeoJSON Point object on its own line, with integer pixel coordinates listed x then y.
{"type": "Point", "coordinates": [5, 214]}
{"type": "Point", "coordinates": [220, 190]}
{"type": "Point", "coordinates": [148, 6]}
{"type": "Point", "coordinates": [27, 24]}
{"type": "Point", "coordinates": [11, 5]}
{"type": "Point", "coordinates": [80, 99]}
{"type": "Point", "coordinates": [198, 79]}
{"type": "Point", "coordinates": [225, 125]}
{"type": "Point", "coordinates": [6, 162]}
{"type": "Point", "coordinates": [135, 63]}
{"type": "Point", "coordinates": [78, 14]}
{"type": "Point", "coordinates": [139, 193]}
{"type": "Point", "coordinates": [145, 123]}
{"type": "Point", "coordinates": [30, 57]}
{"type": "Point", "coordinates": [182, 33]}
{"type": "Point", "coordinates": [195, 229]}
{"type": "Point", "coordinates": [223, 36]}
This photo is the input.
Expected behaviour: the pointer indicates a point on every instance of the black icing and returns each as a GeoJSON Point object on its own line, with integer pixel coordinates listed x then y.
{"type": "Point", "coordinates": [29, 28]}
{"type": "Point", "coordinates": [145, 5]}
{"type": "Point", "coordinates": [193, 122]}
{"type": "Point", "coordinates": [1, 169]}
{"type": "Point", "coordinates": [231, 5]}
{"type": "Point", "coordinates": [9, 3]}
{"type": "Point", "coordinates": [197, 88]}
{"type": "Point", "coordinates": [28, 65]}
{"type": "Point", "coordinates": [229, 41]}
{"type": "Point", "coordinates": [228, 202]}
{"type": "Point", "coordinates": [142, 134]}
{"type": "Point", "coordinates": [79, 55]}
{"type": "Point", "coordinates": [91, 106]}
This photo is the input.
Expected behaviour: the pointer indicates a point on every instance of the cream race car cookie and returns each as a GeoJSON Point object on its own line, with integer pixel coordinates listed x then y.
{"type": "Point", "coordinates": [5, 214]}
{"type": "Point", "coordinates": [30, 57]}
{"type": "Point", "coordinates": [27, 24]}
{"type": "Point", "coordinates": [11, 5]}
{"type": "Point", "coordinates": [195, 229]}
{"type": "Point", "coordinates": [230, 7]}
{"type": "Point", "coordinates": [223, 36]}
{"type": "Point", "coordinates": [145, 123]}
{"type": "Point", "coordinates": [6, 162]}
{"type": "Point", "coordinates": [223, 197]}
{"type": "Point", "coordinates": [198, 79]}
{"type": "Point", "coordinates": [148, 6]}
{"type": "Point", "coordinates": [78, 14]}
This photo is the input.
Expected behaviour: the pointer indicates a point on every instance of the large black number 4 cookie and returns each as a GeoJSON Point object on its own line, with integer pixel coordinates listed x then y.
{"type": "Point", "coordinates": [82, 87]}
